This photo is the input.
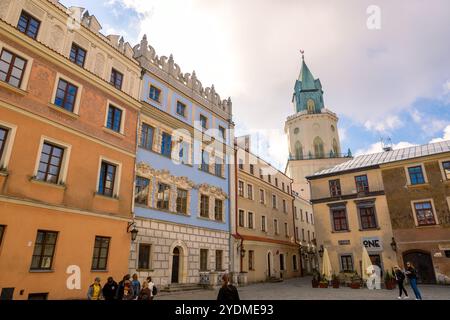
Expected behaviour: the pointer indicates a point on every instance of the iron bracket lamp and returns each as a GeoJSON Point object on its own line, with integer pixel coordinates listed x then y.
{"type": "Point", "coordinates": [131, 228]}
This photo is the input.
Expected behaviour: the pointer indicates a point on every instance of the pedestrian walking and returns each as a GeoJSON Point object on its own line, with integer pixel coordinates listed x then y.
{"type": "Point", "coordinates": [227, 292]}
{"type": "Point", "coordinates": [110, 289]}
{"type": "Point", "coordinates": [400, 278]}
{"type": "Point", "coordinates": [121, 286]}
{"type": "Point", "coordinates": [145, 293]}
{"type": "Point", "coordinates": [411, 273]}
{"type": "Point", "coordinates": [136, 285]}
{"type": "Point", "coordinates": [95, 290]}
{"type": "Point", "coordinates": [128, 293]}
{"type": "Point", "coordinates": [152, 288]}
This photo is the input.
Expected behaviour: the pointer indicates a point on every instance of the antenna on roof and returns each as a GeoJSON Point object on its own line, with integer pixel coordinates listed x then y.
{"type": "Point", "coordinates": [386, 143]}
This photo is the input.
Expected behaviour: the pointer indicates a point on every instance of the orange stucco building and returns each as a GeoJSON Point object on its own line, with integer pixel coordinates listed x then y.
{"type": "Point", "coordinates": [68, 117]}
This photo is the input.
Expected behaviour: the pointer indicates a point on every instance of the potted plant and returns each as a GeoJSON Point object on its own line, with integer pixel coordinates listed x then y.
{"type": "Point", "coordinates": [335, 281]}
{"type": "Point", "coordinates": [323, 282]}
{"type": "Point", "coordinates": [389, 281]}
{"type": "Point", "coordinates": [355, 281]}
{"type": "Point", "coordinates": [315, 280]}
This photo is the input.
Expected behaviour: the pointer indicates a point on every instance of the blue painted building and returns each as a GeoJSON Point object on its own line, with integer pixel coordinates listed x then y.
{"type": "Point", "coordinates": [183, 181]}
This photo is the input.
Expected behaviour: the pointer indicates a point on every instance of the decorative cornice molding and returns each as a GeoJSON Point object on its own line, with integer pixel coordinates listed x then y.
{"type": "Point", "coordinates": [145, 170]}
{"type": "Point", "coordinates": [211, 190]}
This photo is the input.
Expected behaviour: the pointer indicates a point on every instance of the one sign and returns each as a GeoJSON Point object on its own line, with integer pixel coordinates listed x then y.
{"type": "Point", "coordinates": [372, 243]}
{"type": "Point", "coordinates": [343, 242]}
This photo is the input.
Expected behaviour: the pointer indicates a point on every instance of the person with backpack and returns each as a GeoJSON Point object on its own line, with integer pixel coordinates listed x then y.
{"type": "Point", "coordinates": [411, 273]}
{"type": "Point", "coordinates": [95, 290]}
{"type": "Point", "coordinates": [152, 288]}
{"type": "Point", "coordinates": [400, 278]}
{"type": "Point", "coordinates": [227, 292]}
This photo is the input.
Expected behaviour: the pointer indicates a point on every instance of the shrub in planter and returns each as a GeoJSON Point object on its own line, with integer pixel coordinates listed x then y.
{"type": "Point", "coordinates": [323, 284]}
{"type": "Point", "coordinates": [389, 281]}
{"type": "Point", "coordinates": [315, 280]}
{"type": "Point", "coordinates": [356, 281]}
{"type": "Point", "coordinates": [335, 281]}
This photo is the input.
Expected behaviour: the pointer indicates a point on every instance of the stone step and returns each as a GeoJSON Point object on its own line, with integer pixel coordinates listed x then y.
{"type": "Point", "coordinates": [182, 287]}
{"type": "Point", "coordinates": [274, 279]}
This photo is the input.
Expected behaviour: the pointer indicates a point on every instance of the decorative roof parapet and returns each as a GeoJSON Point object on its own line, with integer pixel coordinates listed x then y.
{"type": "Point", "coordinates": [147, 57]}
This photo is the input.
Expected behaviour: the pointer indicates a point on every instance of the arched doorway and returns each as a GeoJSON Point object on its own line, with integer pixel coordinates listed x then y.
{"type": "Point", "coordinates": [423, 263]}
{"type": "Point", "coordinates": [175, 265]}
{"type": "Point", "coordinates": [269, 264]}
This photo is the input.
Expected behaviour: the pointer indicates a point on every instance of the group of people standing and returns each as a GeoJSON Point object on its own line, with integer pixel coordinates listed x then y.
{"type": "Point", "coordinates": [128, 289]}
{"type": "Point", "coordinates": [410, 273]}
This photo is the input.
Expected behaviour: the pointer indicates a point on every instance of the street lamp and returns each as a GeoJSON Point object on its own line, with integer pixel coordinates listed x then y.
{"type": "Point", "coordinates": [321, 251]}
{"type": "Point", "coordinates": [394, 244]}
{"type": "Point", "coordinates": [242, 253]}
{"type": "Point", "coordinates": [134, 232]}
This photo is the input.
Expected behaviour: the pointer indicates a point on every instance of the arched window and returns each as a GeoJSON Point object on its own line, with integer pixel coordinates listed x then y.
{"type": "Point", "coordinates": [318, 148]}
{"type": "Point", "coordinates": [298, 151]}
{"type": "Point", "coordinates": [310, 105]}
{"type": "Point", "coordinates": [335, 147]}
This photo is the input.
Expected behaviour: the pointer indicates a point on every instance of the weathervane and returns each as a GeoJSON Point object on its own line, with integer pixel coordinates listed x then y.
{"type": "Point", "coordinates": [302, 52]}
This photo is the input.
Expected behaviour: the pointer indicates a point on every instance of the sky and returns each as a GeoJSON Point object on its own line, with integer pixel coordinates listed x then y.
{"type": "Point", "coordinates": [389, 83]}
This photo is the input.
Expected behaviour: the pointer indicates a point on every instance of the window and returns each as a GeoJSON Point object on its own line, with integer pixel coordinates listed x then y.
{"type": "Point", "coordinates": [311, 218]}
{"type": "Point", "coordinates": [181, 109]}
{"type": "Point", "coordinates": [295, 212]}
{"type": "Point", "coordinates": [282, 186]}
{"type": "Point", "coordinates": [298, 150]}
{"type": "Point", "coordinates": [275, 226]}
{"type": "Point", "coordinates": [263, 223]}
{"type": "Point", "coordinates": [218, 167]}
{"type": "Point", "coordinates": [219, 255]}
{"type": "Point", "coordinates": [424, 213]}
{"type": "Point", "coordinates": [203, 121]}
{"type": "Point", "coordinates": [309, 236]}
{"type": "Point", "coordinates": [182, 196]}
{"type": "Point", "coordinates": [250, 220]}
{"type": "Point", "coordinates": [144, 256]}
{"type": "Point", "coordinates": [205, 161]}
{"type": "Point", "coordinates": [307, 216]}
{"type": "Point", "coordinates": [446, 168]}
{"type": "Point", "coordinates": [203, 259]}
{"type": "Point", "coordinates": [274, 201]}
{"type": "Point", "coordinates": [252, 169]}
{"type": "Point", "coordinates": [286, 230]}
{"type": "Point", "coordinates": [141, 190]}
{"type": "Point", "coordinates": [362, 184]}
{"type": "Point", "coordinates": [12, 68]}
{"type": "Point", "coordinates": [447, 253]}
{"type": "Point", "coordinates": [166, 145]}
{"type": "Point", "coordinates": [262, 196]}
{"type": "Point", "coordinates": [241, 188]}
{"type": "Point", "coordinates": [347, 263]}
{"type": "Point", "coordinates": [303, 235]}
{"type": "Point", "coordinates": [416, 175]}
{"type": "Point", "coordinates": [284, 206]}
{"type": "Point", "coordinates": [155, 93]}
{"type": "Point", "coordinates": [335, 187]}
{"type": "Point", "coordinates": [3, 136]}
{"type": "Point", "coordinates": [294, 262]}
{"type": "Point", "coordinates": [44, 249]}
{"type": "Point", "coordinates": [50, 163]}
{"type": "Point", "coordinates": [276, 182]}
{"type": "Point", "coordinates": [250, 191]}
{"type": "Point", "coordinates": [339, 218]}
{"type": "Point", "coordinates": [100, 257]}
{"type": "Point", "coordinates": [66, 94]}
{"type": "Point", "coordinates": [301, 215]}
{"type": "Point", "coordinates": [114, 120]}
{"type": "Point", "coordinates": [183, 153]}
{"type": "Point", "coordinates": [28, 25]}
{"type": "Point", "coordinates": [282, 261]}
{"type": "Point", "coordinates": [162, 199]}
{"type": "Point", "coordinates": [241, 218]}
{"type": "Point", "coordinates": [107, 179]}
{"type": "Point", "coordinates": [241, 164]}
{"type": "Point", "coordinates": [116, 79]}
{"type": "Point", "coordinates": [146, 137]}
{"type": "Point", "coordinates": [261, 174]}
{"type": "Point", "coordinates": [204, 206]}
{"type": "Point", "coordinates": [367, 217]}
{"type": "Point", "coordinates": [296, 233]}
{"type": "Point", "coordinates": [288, 189]}
{"type": "Point", "coordinates": [222, 133]}
{"type": "Point", "coordinates": [218, 209]}
{"type": "Point", "coordinates": [38, 296]}
{"type": "Point", "coordinates": [251, 260]}
{"type": "Point", "coordinates": [2, 231]}
{"type": "Point", "coordinates": [318, 148]}
{"type": "Point", "coordinates": [269, 178]}
{"type": "Point", "coordinates": [77, 55]}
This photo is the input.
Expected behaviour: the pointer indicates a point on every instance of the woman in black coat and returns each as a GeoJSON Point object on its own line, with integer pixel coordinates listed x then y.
{"type": "Point", "coordinates": [400, 277]}
{"type": "Point", "coordinates": [227, 292]}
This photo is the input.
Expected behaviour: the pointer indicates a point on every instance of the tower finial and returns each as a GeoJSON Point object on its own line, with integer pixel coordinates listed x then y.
{"type": "Point", "coordinates": [303, 54]}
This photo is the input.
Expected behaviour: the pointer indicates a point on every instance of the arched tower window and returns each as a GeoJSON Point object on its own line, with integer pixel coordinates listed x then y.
{"type": "Point", "coordinates": [298, 151]}
{"type": "Point", "coordinates": [335, 147]}
{"type": "Point", "coordinates": [310, 105]}
{"type": "Point", "coordinates": [318, 148]}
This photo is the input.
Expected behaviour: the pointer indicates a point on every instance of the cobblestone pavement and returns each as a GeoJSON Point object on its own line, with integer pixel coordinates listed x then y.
{"type": "Point", "coordinates": [300, 289]}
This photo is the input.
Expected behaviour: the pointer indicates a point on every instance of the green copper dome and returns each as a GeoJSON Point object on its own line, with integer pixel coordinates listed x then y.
{"type": "Point", "coordinates": [308, 94]}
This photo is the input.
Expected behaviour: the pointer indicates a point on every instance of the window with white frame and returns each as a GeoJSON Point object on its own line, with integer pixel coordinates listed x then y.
{"type": "Point", "coordinates": [115, 118]}
{"type": "Point", "coordinates": [7, 135]}
{"type": "Point", "coordinates": [52, 161]}
{"type": "Point", "coordinates": [424, 213]}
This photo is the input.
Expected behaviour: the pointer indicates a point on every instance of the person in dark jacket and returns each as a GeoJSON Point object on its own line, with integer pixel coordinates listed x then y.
{"type": "Point", "coordinates": [400, 277]}
{"type": "Point", "coordinates": [110, 289]}
{"type": "Point", "coordinates": [121, 286]}
{"type": "Point", "coordinates": [145, 293]}
{"type": "Point", "coordinates": [128, 293]}
{"type": "Point", "coordinates": [411, 273]}
{"type": "Point", "coordinates": [227, 292]}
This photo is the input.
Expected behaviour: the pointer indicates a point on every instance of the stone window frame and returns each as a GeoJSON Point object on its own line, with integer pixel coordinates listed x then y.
{"type": "Point", "coordinates": [250, 195]}
{"type": "Point", "coordinates": [110, 103]}
{"type": "Point", "coordinates": [252, 215]}
{"type": "Point", "coordinates": [117, 178]}
{"type": "Point", "coordinates": [441, 167]}
{"type": "Point", "coordinates": [5, 156]}
{"type": "Point", "coordinates": [365, 204]}
{"type": "Point", "coordinates": [243, 188]}
{"type": "Point", "coordinates": [263, 200]}
{"type": "Point", "coordinates": [239, 218]}
{"type": "Point", "coordinates": [213, 193]}
{"type": "Point", "coordinates": [338, 205]}
{"type": "Point", "coordinates": [424, 172]}
{"type": "Point", "coordinates": [179, 137]}
{"type": "Point", "coordinates": [264, 218]}
{"type": "Point", "coordinates": [76, 105]}
{"type": "Point", "coordinates": [274, 204]}
{"type": "Point", "coordinates": [433, 207]}
{"type": "Point", "coordinates": [27, 71]}
{"type": "Point", "coordinates": [150, 256]}
{"type": "Point", "coordinates": [340, 255]}
{"type": "Point", "coordinates": [276, 230]}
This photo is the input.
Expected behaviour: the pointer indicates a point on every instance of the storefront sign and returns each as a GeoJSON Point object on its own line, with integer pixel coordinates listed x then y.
{"type": "Point", "coordinates": [372, 243]}
{"type": "Point", "coordinates": [343, 242]}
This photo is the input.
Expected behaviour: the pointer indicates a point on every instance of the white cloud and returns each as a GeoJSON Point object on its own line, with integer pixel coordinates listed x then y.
{"type": "Point", "coordinates": [446, 135]}
{"type": "Point", "coordinates": [384, 125]}
{"type": "Point", "coordinates": [378, 147]}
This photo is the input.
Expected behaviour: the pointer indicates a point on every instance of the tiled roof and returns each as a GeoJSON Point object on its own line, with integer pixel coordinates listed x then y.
{"type": "Point", "coordinates": [374, 159]}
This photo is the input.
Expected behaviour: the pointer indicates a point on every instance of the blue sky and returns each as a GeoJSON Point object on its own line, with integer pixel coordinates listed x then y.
{"type": "Point", "coordinates": [392, 82]}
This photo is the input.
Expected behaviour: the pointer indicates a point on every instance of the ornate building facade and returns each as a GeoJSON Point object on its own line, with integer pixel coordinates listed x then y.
{"type": "Point", "coordinates": [67, 155]}
{"type": "Point", "coordinates": [184, 185]}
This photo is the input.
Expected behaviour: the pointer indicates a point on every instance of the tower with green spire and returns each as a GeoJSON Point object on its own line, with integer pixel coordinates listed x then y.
{"type": "Point", "coordinates": [308, 93]}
